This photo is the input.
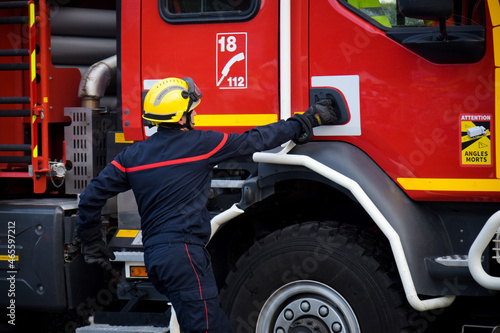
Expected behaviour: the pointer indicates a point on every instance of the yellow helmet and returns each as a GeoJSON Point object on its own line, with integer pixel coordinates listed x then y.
{"type": "Point", "coordinates": [169, 99]}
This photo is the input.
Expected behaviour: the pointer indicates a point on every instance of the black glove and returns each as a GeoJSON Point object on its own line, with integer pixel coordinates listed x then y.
{"type": "Point", "coordinates": [95, 249]}
{"type": "Point", "coordinates": [321, 113]}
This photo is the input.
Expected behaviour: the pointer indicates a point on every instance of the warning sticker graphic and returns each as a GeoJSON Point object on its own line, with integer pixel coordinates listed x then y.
{"type": "Point", "coordinates": [231, 60]}
{"type": "Point", "coordinates": [476, 141]}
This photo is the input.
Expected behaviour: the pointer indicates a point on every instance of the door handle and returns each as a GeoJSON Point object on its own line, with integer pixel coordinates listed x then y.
{"type": "Point", "coordinates": [339, 102]}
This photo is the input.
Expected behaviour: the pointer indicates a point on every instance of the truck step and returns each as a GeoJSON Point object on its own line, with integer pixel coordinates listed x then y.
{"type": "Point", "coordinates": [124, 329]}
{"type": "Point", "coordinates": [227, 183]}
{"type": "Point", "coordinates": [480, 329]}
{"type": "Point", "coordinates": [453, 260]}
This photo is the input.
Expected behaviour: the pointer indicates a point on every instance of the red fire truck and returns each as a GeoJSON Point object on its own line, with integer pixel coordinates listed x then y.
{"type": "Point", "coordinates": [385, 222]}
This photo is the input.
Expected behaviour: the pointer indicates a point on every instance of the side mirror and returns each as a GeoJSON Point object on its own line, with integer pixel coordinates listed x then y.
{"type": "Point", "coordinates": [435, 10]}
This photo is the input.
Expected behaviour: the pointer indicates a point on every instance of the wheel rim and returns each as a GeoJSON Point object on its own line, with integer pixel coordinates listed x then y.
{"type": "Point", "coordinates": [305, 307]}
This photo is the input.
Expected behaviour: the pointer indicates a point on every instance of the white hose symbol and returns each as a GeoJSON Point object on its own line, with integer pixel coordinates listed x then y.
{"type": "Point", "coordinates": [225, 71]}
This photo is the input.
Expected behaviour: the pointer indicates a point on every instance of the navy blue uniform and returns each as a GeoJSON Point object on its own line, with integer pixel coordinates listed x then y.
{"type": "Point", "coordinates": [170, 175]}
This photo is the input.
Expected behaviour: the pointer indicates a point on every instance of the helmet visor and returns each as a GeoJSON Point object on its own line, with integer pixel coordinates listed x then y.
{"type": "Point", "coordinates": [194, 93]}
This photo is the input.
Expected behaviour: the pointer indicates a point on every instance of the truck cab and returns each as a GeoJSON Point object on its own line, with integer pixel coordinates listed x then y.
{"type": "Point", "coordinates": [384, 222]}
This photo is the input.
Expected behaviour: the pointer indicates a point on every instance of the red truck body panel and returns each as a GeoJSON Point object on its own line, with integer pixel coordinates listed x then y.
{"type": "Point", "coordinates": [411, 111]}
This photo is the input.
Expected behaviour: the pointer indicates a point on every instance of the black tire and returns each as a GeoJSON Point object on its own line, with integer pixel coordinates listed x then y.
{"type": "Point", "coordinates": [286, 279]}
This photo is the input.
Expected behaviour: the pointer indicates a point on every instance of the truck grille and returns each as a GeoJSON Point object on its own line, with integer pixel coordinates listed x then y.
{"type": "Point", "coordinates": [78, 137]}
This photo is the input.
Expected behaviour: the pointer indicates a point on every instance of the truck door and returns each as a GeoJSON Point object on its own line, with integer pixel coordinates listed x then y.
{"type": "Point", "coordinates": [227, 46]}
{"type": "Point", "coordinates": [414, 89]}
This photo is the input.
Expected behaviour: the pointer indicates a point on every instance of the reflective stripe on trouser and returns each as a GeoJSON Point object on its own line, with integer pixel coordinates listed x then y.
{"type": "Point", "coordinates": [183, 273]}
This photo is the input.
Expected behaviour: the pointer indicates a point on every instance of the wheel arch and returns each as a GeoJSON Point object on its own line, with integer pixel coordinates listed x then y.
{"type": "Point", "coordinates": [410, 220]}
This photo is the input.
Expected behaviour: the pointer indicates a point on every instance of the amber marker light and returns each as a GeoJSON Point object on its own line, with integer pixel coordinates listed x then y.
{"type": "Point", "coordinates": [138, 271]}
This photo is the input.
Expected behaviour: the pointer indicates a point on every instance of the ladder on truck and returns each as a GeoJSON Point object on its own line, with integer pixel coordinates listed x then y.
{"type": "Point", "coordinates": [27, 60]}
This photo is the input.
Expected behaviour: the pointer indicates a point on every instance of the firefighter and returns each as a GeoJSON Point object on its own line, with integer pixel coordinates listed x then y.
{"type": "Point", "coordinates": [170, 175]}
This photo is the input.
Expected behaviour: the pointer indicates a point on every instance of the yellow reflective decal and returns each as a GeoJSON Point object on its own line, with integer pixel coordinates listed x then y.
{"type": "Point", "coordinates": [450, 184]}
{"type": "Point", "coordinates": [496, 46]}
{"type": "Point", "coordinates": [494, 7]}
{"type": "Point", "coordinates": [33, 65]}
{"type": "Point", "coordinates": [127, 233]}
{"type": "Point", "coordinates": [32, 14]}
{"type": "Point", "coordinates": [120, 138]}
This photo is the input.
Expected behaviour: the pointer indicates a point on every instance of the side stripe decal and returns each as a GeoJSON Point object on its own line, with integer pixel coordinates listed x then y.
{"type": "Point", "coordinates": [172, 162]}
